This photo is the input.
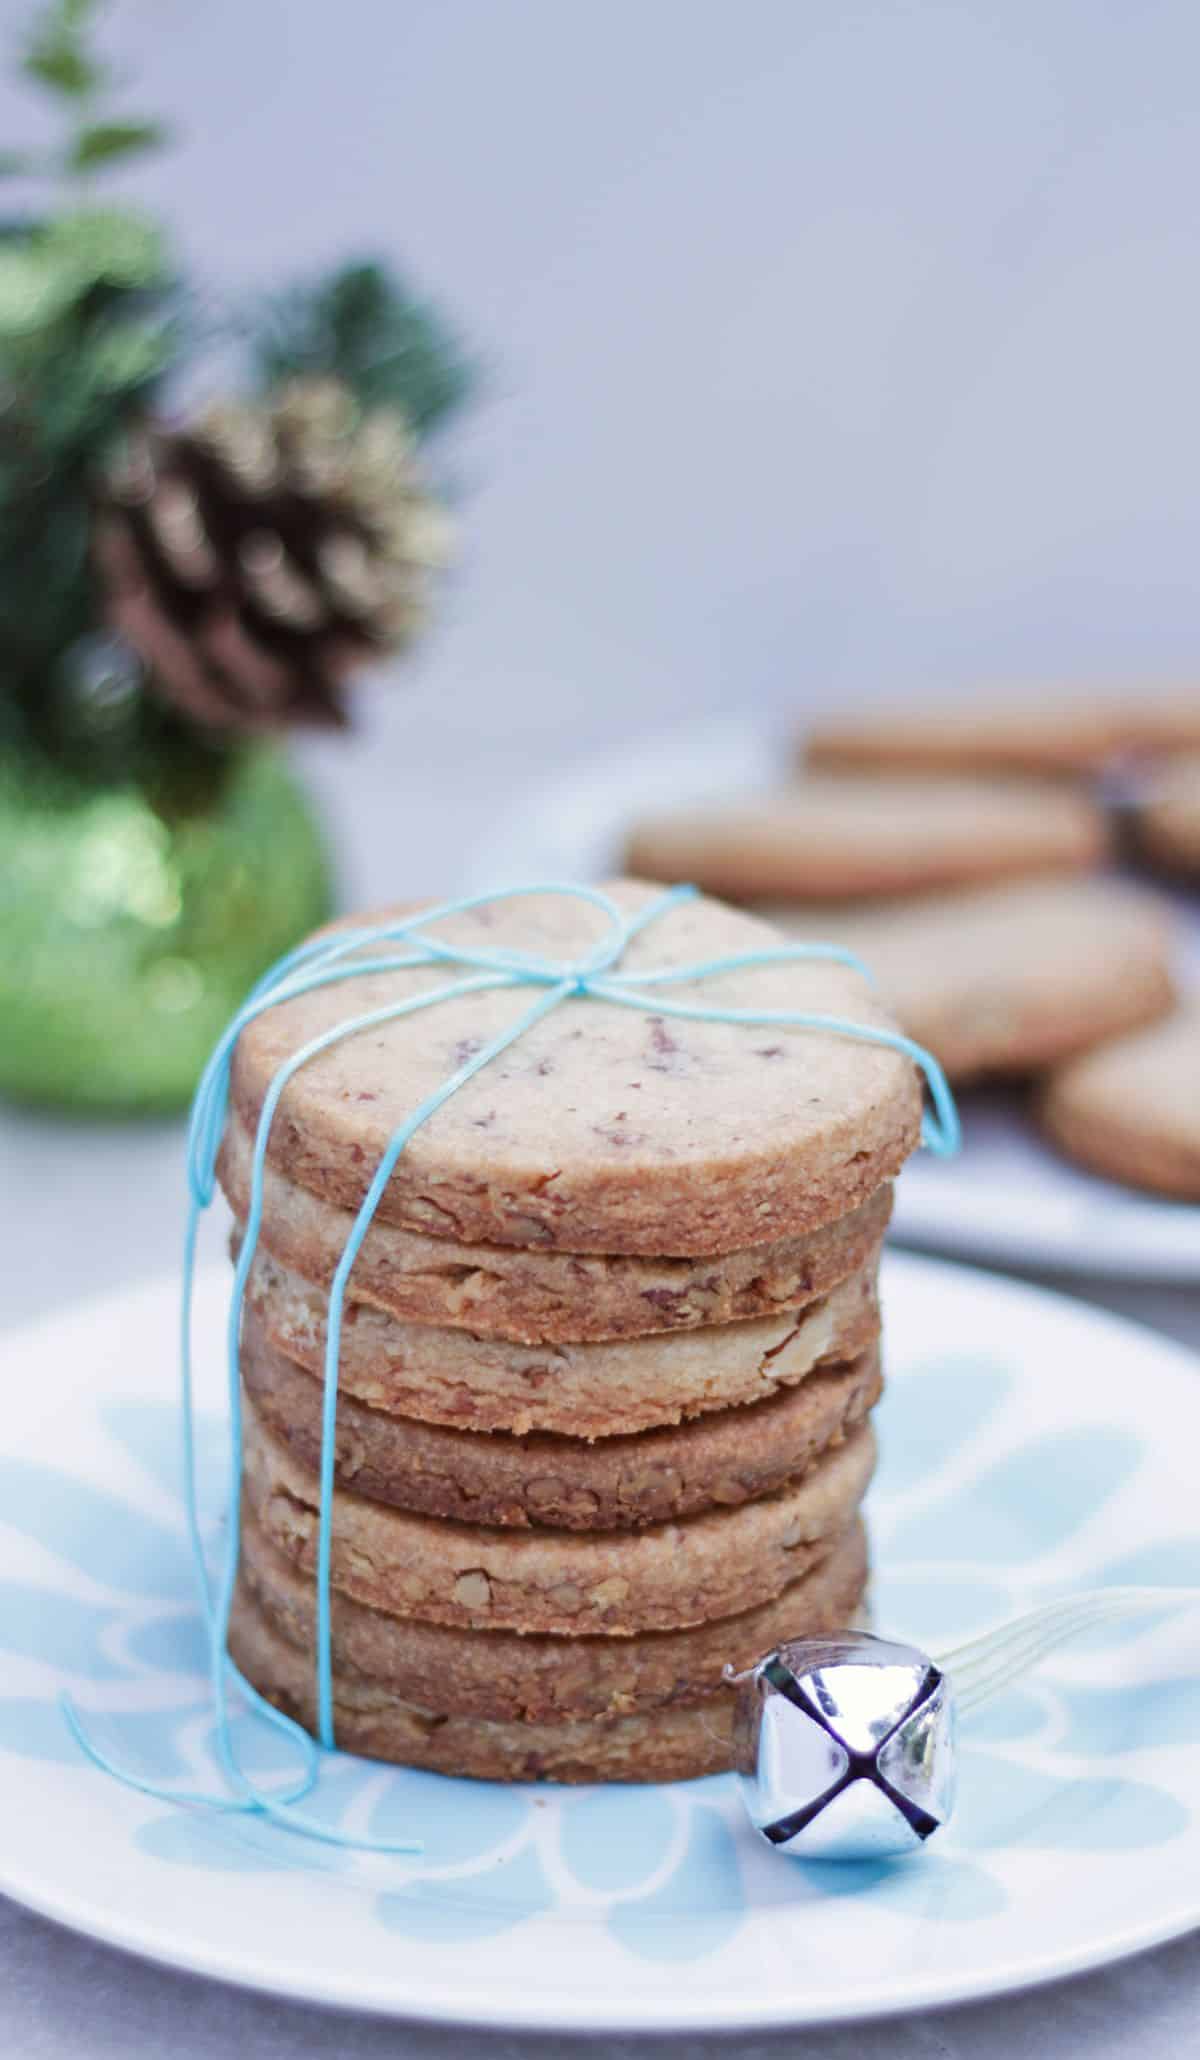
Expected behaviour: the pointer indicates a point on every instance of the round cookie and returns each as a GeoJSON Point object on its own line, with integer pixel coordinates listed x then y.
{"type": "Point", "coordinates": [605, 1129]}
{"type": "Point", "coordinates": [1054, 731]}
{"type": "Point", "coordinates": [547, 1297]}
{"type": "Point", "coordinates": [671, 1743]}
{"type": "Point", "coordinates": [618, 1483]}
{"type": "Point", "coordinates": [833, 837]}
{"type": "Point", "coordinates": [1003, 980]}
{"type": "Point", "coordinates": [1131, 1109]}
{"type": "Point", "coordinates": [511, 1678]}
{"type": "Point", "coordinates": [599, 1390]}
{"type": "Point", "coordinates": [1168, 815]}
{"type": "Point", "coordinates": [569, 1583]}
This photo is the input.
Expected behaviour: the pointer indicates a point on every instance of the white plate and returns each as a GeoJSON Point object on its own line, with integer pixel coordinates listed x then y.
{"type": "Point", "coordinates": [1008, 1199]}
{"type": "Point", "coordinates": [1028, 1442]}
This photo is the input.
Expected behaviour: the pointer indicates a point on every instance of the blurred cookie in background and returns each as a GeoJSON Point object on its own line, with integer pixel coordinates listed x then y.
{"type": "Point", "coordinates": [1167, 814]}
{"type": "Point", "coordinates": [1058, 730]}
{"type": "Point", "coordinates": [1131, 1108]}
{"type": "Point", "coordinates": [1008, 979]}
{"type": "Point", "coordinates": [829, 836]}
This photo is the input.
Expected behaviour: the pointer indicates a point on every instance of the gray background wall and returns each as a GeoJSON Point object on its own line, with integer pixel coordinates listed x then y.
{"type": "Point", "coordinates": [832, 347]}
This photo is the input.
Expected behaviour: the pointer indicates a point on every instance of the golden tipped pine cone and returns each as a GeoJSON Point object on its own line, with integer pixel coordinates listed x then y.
{"type": "Point", "coordinates": [258, 556]}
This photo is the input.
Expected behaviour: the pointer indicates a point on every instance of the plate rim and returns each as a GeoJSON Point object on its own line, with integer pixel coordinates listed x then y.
{"type": "Point", "coordinates": [652, 2015]}
{"type": "Point", "coordinates": [448, 2004]}
{"type": "Point", "coordinates": [1007, 1255]}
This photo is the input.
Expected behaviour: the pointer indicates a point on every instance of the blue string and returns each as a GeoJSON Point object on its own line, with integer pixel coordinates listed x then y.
{"type": "Point", "coordinates": [323, 962]}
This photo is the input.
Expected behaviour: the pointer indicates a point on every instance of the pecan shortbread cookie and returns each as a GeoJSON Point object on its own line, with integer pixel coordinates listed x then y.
{"type": "Point", "coordinates": [527, 1678]}
{"type": "Point", "coordinates": [837, 837]}
{"type": "Point", "coordinates": [1168, 814]}
{"type": "Point", "coordinates": [1004, 980]}
{"type": "Point", "coordinates": [599, 1390]}
{"type": "Point", "coordinates": [1052, 730]}
{"type": "Point", "coordinates": [604, 1129]}
{"type": "Point", "coordinates": [617, 1483]}
{"type": "Point", "coordinates": [668, 1741]}
{"type": "Point", "coordinates": [545, 1297]}
{"type": "Point", "coordinates": [1131, 1109]}
{"type": "Point", "coordinates": [664, 1577]}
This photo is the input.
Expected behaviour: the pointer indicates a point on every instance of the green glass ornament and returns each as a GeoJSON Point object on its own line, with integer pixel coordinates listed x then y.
{"type": "Point", "coordinates": [134, 919]}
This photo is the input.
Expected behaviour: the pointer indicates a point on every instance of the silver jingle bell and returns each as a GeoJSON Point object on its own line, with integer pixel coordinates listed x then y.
{"type": "Point", "coordinates": [844, 1747]}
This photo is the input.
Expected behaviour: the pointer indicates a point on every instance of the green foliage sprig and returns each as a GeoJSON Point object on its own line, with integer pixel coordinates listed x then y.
{"type": "Point", "coordinates": [93, 323]}
{"type": "Point", "coordinates": [364, 327]}
{"type": "Point", "coordinates": [60, 58]}
{"type": "Point", "coordinates": [89, 324]}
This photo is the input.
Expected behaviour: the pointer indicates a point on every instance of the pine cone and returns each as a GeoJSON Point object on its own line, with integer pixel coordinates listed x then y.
{"type": "Point", "coordinates": [257, 557]}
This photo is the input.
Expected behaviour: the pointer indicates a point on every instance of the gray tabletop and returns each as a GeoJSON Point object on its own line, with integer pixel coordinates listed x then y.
{"type": "Point", "coordinates": [111, 1197]}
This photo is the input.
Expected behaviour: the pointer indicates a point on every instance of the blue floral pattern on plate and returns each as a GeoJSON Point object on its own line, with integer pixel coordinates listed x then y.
{"type": "Point", "coordinates": [666, 1869]}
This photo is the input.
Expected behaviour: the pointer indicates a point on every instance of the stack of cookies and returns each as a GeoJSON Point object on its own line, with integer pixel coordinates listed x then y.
{"type": "Point", "coordinates": [972, 901]}
{"type": "Point", "coordinates": [608, 1357]}
{"type": "Point", "coordinates": [965, 851]}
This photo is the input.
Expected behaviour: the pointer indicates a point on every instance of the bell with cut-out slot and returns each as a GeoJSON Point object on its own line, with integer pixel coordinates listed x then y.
{"type": "Point", "coordinates": [844, 1747]}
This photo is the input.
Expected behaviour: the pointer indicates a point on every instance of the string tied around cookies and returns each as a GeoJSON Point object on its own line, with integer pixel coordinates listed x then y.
{"type": "Point", "coordinates": [403, 945]}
